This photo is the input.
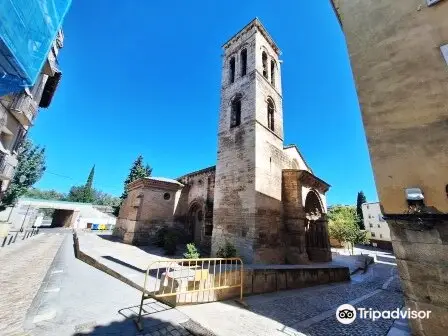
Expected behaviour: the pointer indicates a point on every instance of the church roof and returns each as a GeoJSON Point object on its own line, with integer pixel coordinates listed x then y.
{"type": "Point", "coordinates": [197, 172]}
{"type": "Point", "coordinates": [163, 179]}
{"type": "Point", "coordinates": [255, 22]}
{"type": "Point", "coordinates": [303, 159]}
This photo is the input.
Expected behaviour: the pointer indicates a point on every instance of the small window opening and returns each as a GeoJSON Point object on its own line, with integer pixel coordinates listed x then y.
{"type": "Point", "coordinates": [232, 70]}
{"type": "Point", "coordinates": [243, 62]}
{"type": "Point", "coordinates": [271, 115]}
{"type": "Point", "coordinates": [273, 73]}
{"type": "Point", "coordinates": [166, 196]}
{"type": "Point", "coordinates": [235, 118]}
{"type": "Point", "coordinates": [264, 58]}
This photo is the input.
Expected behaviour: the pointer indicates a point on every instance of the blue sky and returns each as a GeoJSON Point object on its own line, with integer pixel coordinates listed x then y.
{"type": "Point", "coordinates": [143, 77]}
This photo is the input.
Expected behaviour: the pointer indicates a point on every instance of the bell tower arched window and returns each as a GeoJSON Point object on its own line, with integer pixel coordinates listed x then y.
{"type": "Point", "coordinates": [243, 62]}
{"type": "Point", "coordinates": [271, 110]}
{"type": "Point", "coordinates": [235, 113]}
{"type": "Point", "coordinates": [273, 72]}
{"type": "Point", "coordinates": [264, 58]}
{"type": "Point", "coordinates": [232, 70]}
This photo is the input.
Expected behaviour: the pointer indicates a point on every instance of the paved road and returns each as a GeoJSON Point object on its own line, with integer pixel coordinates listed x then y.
{"type": "Point", "coordinates": [23, 267]}
{"type": "Point", "coordinates": [77, 299]}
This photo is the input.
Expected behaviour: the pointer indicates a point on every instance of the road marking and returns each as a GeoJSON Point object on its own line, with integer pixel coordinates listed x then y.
{"type": "Point", "coordinates": [57, 271]}
{"type": "Point", "coordinates": [52, 290]}
{"type": "Point", "coordinates": [387, 283]}
{"type": "Point", "coordinates": [45, 316]}
{"type": "Point", "coordinates": [318, 318]}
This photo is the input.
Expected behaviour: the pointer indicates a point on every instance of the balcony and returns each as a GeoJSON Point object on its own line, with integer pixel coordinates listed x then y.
{"type": "Point", "coordinates": [6, 167]}
{"type": "Point", "coordinates": [51, 65]}
{"type": "Point", "coordinates": [24, 108]}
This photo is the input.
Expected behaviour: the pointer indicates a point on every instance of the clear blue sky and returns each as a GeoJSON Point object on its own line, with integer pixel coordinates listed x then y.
{"type": "Point", "coordinates": [143, 77]}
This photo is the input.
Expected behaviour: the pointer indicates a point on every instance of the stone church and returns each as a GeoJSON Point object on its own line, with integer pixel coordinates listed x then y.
{"type": "Point", "coordinates": [261, 196]}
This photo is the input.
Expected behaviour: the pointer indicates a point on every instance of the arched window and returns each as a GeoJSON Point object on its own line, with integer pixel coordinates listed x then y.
{"type": "Point", "coordinates": [271, 114]}
{"type": "Point", "coordinates": [235, 115]}
{"type": "Point", "coordinates": [232, 70]}
{"type": "Point", "coordinates": [243, 62]}
{"type": "Point", "coordinates": [264, 58]}
{"type": "Point", "coordinates": [273, 72]}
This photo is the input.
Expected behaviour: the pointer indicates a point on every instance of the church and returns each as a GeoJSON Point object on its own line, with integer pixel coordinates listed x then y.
{"type": "Point", "coordinates": [261, 196]}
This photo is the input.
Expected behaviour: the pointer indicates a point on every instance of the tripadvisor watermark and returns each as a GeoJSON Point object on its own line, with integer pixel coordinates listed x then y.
{"type": "Point", "coordinates": [346, 314]}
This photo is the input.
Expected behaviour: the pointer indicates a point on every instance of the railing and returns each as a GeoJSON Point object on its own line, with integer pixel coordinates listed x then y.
{"type": "Point", "coordinates": [184, 281]}
{"type": "Point", "coordinates": [25, 108]}
{"type": "Point", "coordinates": [13, 235]}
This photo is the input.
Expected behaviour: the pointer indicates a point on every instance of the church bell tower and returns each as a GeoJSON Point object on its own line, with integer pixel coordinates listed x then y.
{"type": "Point", "coordinates": [247, 202]}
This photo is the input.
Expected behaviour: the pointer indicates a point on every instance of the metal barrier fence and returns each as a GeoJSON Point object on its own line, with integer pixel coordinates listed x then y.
{"type": "Point", "coordinates": [184, 281]}
{"type": "Point", "coordinates": [13, 235]}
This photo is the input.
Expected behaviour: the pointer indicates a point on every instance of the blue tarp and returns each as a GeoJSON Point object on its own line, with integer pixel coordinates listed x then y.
{"type": "Point", "coordinates": [27, 30]}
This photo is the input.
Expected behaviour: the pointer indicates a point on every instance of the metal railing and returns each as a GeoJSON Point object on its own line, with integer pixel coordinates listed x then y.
{"type": "Point", "coordinates": [183, 281]}
{"type": "Point", "coordinates": [25, 108]}
{"type": "Point", "coordinates": [13, 235]}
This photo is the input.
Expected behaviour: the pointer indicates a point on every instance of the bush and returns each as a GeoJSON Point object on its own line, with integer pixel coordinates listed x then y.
{"type": "Point", "coordinates": [170, 242]}
{"type": "Point", "coordinates": [192, 252]}
{"type": "Point", "coordinates": [226, 251]}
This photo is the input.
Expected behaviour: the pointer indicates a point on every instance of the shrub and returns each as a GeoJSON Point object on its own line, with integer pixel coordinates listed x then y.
{"type": "Point", "coordinates": [170, 242]}
{"type": "Point", "coordinates": [226, 251]}
{"type": "Point", "coordinates": [192, 252]}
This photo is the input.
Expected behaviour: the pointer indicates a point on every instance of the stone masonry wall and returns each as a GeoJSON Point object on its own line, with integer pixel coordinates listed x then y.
{"type": "Point", "coordinates": [234, 200]}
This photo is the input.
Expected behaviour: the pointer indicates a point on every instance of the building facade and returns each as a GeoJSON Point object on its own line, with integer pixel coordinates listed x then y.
{"type": "Point", "coordinates": [376, 225]}
{"type": "Point", "coordinates": [398, 52]}
{"type": "Point", "coordinates": [261, 196]}
{"type": "Point", "coordinates": [18, 112]}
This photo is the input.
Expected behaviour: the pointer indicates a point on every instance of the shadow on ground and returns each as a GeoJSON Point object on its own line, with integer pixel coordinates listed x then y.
{"type": "Point", "coordinates": [157, 318]}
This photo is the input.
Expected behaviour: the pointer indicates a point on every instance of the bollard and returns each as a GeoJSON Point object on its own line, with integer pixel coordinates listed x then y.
{"type": "Point", "coordinates": [15, 237]}
{"type": "Point", "coordinates": [4, 241]}
{"type": "Point", "coordinates": [10, 239]}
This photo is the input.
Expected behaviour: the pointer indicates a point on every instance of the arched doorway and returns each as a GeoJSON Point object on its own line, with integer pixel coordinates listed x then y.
{"type": "Point", "coordinates": [316, 229]}
{"type": "Point", "coordinates": [196, 222]}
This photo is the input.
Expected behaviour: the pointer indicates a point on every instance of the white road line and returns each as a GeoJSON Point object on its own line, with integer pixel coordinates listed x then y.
{"type": "Point", "coordinates": [45, 316]}
{"type": "Point", "coordinates": [57, 271]}
{"type": "Point", "coordinates": [387, 283]}
{"type": "Point", "coordinates": [52, 290]}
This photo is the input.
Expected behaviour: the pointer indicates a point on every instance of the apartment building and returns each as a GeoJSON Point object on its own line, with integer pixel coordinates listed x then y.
{"type": "Point", "coordinates": [18, 112]}
{"type": "Point", "coordinates": [376, 225]}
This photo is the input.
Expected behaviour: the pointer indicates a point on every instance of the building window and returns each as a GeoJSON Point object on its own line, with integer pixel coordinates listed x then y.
{"type": "Point", "coordinates": [271, 114]}
{"type": "Point", "coordinates": [166, 196]}
{"type": "Point", "coordinates": [379, 226]}
{"type": "Point", "coordinates": [232, 69]}
{"type": "Point", "coordinates": [273, 72]}
{"type": "Point", "coordinates": [381, 236]}
{"type": "Point", "coordinates": [235, 115]}
{"type": "Point", "coordinates": [373, 234]}
{"type": "Point", "coordinates": [264, 58]}
{"type": "Point", "coordinates": [371, 225]}
{"type": "Point", "coordinates": [243, 62]}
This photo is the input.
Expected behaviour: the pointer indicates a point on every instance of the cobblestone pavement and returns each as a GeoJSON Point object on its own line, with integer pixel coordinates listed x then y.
{"type": "Point", "coordinates": [307, 311]}
{"type": "Point", "coordinates": [21, 273]}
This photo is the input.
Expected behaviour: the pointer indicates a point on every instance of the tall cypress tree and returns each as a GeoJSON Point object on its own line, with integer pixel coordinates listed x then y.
{"type": "Point", "coordinates": [359, 201]}
{"type": "Point", "coordinates": [84, 193]}
{"type": "Point", "coordinates": [137, 171]}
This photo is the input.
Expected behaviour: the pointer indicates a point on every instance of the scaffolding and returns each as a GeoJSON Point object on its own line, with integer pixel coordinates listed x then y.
{"type": "Point", "coordinates": [27, 31]}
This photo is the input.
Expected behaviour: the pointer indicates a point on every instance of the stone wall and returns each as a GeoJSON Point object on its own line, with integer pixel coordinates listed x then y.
{"type": "Point", "coordinates": [401, 78]}
{"type": "Point", "coordinates": [234, 199]}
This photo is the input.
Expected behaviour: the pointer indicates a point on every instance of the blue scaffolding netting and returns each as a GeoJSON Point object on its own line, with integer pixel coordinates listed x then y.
{"type": "Point", "coordinates": [27, 30]}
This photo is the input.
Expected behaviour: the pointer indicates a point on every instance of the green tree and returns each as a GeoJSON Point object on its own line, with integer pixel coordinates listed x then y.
{"type": "Point", "coordinates": [102, 198]}
{"type": "Point", "coordinates": [30, 168]}
{"type": "Point", "coordinates": [85, 193]}
{"type": "Point", "coordinates": [343, 226]}
{"type": "Point", "coordinates": [359, 201]}
{"type": "Point", "coordinates": [137, 171]}
{"type": "Point", "coordinates": [45, 194]}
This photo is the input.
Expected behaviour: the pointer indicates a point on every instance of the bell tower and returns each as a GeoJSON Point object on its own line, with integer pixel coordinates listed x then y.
{"type": "Point", "coordinates": [247, 201]}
